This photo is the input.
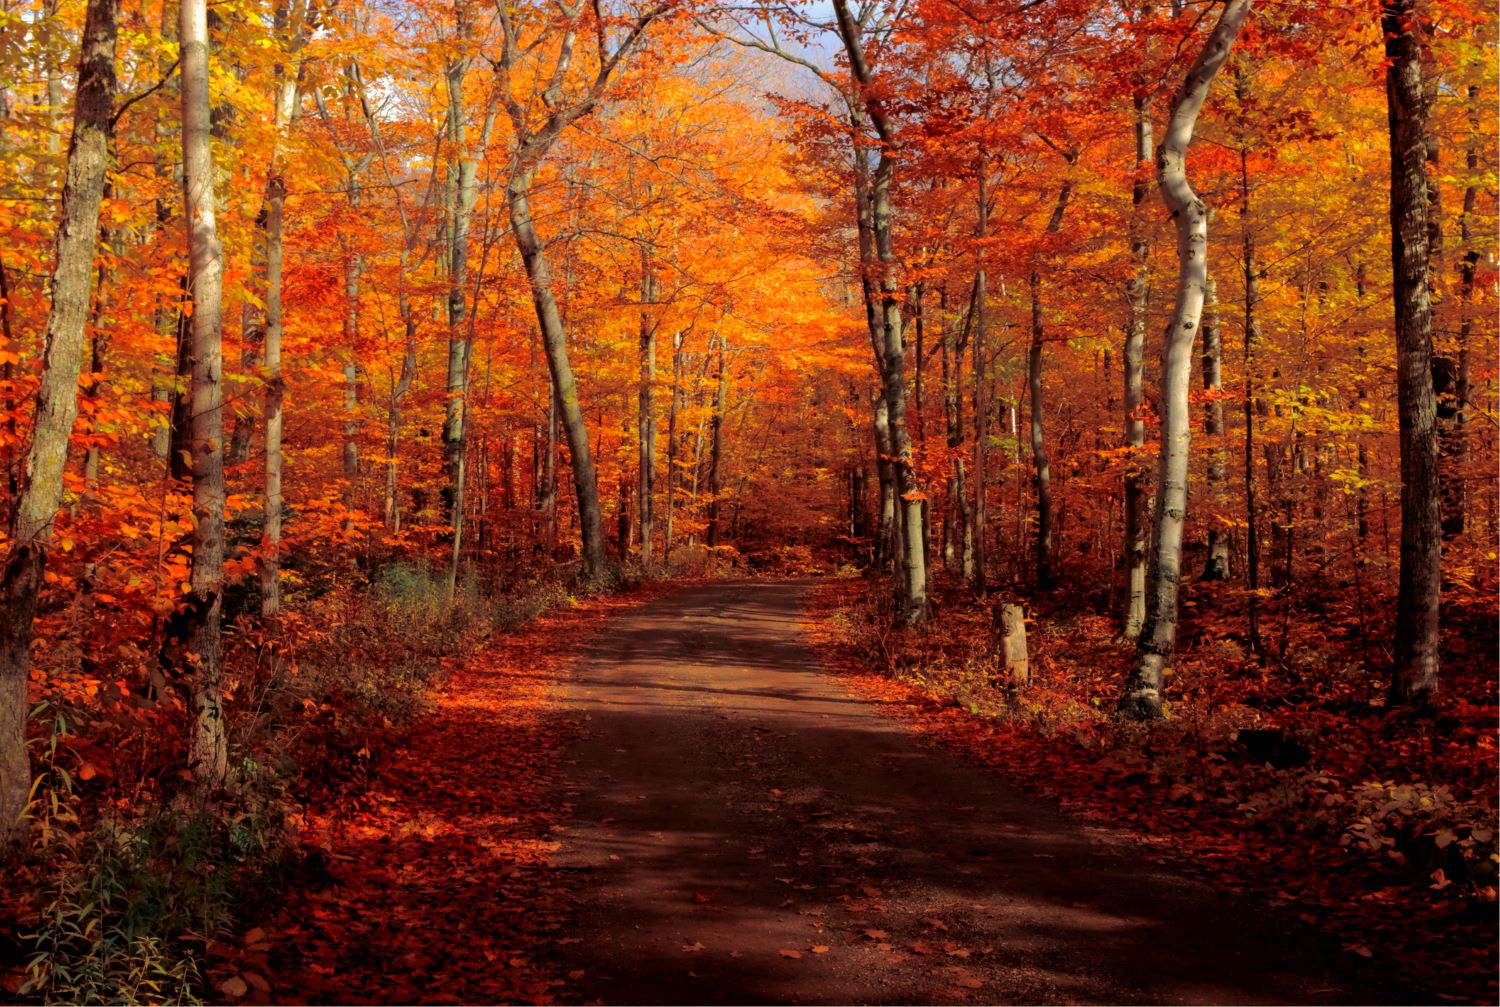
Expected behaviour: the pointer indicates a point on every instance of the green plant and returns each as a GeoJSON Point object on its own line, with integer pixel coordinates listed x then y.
{"type": "Point", "coordinates": [134, 904]}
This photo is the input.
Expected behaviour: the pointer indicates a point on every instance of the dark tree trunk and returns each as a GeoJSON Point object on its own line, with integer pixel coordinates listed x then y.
{"type": "Point", "coordinates": [1415, 679]}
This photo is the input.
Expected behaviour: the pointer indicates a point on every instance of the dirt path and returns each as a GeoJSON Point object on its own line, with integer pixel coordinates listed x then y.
{"type": "Point", "coordinates": [747, 832]}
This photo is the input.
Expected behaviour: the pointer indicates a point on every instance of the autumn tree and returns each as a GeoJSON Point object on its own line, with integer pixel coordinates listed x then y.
{"type": "Point", "coordinates": [41, 486]}
{"type": "Point", "coordinates": [1416, 673]}
{"type": "Point", "coordinates": [571, 92]}
{"type": "Point", "coordinates": [1143, 692]}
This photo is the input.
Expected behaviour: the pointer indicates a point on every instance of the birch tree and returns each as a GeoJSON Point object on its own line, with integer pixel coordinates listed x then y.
{"type": "Point", "coordinates": [1137, 291]}
{"type": "Point", "coordinates": [1158, 639]}
{"type": "Point", "coordinates": [272, 226]}
{"type": "Point", "coordinates": [208, 752]}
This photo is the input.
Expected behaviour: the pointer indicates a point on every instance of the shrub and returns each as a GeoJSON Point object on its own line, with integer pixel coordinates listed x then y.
{"type": "Point", "coordinates": [134, 904]}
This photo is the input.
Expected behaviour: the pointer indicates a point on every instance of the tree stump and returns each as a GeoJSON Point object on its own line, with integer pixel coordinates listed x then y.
{"type": "Point", "coordinates": [1010, 633]}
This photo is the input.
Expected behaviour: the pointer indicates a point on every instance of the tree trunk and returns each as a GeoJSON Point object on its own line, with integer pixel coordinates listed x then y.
{"type": "Point", "coordinates": [555, 342]}
{"type": "Point", "coordinates": [882, 551]}
{"type": "Point", "coordinates": [99, 329]}
{"type": "Point", "coordinates": [1457, 444]}
{"type": "Point", "coordinates": [716, 452]}
{"type": "Point", "coordinates": [976, 555]}
{"type": "Point", "coordinates": [354, 267]}
{"type": "Point", "coordinates": [1217, 566]}
{"type": "Point", "coordinates": [208, 753]}
{"type": "Point", "coordinates": [913, 566]}
{"type": "Point", "coordinates": [646, 421]}
{"type": "Point", "coordinates": [914, 560]}
{"type": "Point", "coordinates": [270, 577]}
{"type": "Point", "coordinates": [41, 484]}
{"type": "Point", "coordinates": [1133, 357]}
{"type": "Point", "coordinates": [289, 31]}
{"type": "Point", "coordinates": [1415, 680]}
{"type": "Point", "coordinates": [403, 383]}
{"type": "Point", "coordinates": [1042, 465]}
{"type": "Point", "coordinates": [179, 451]}
{"type": "Point", "coordinates": [252, 338]}
{"type": "Point", "coordinates": [886, 521]}
{"type": "Point", "coordinates": [676, 405]}
{"type": "Point", "coordinates": [463, 193]}
{"type": "Point", "coordinates": [52, 38]}
{"type": "Point", "coordinates": [1450, 370]}
{"type": "Point", "coordinates": [1251, 333]}
{"type": "Point", "coordinates": [12, 348]}
{"type": "Point", "coordinates": [1158, 639]}
{"type": "Point", "coordinates": [1045, 511]}
{"type": "Point", "coordinates": [959, 545]}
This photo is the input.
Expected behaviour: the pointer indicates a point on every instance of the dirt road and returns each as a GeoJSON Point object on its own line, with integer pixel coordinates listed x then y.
{"type": "Point", "coordinates": [747, 832]}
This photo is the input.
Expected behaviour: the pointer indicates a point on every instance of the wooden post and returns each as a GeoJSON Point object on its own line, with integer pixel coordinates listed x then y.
{"type": "Point", "coordinates": [1010, 630]}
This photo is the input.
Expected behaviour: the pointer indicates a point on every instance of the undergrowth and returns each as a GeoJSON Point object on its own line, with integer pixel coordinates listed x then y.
{"type": "Point", "coordinates": [135, 889]}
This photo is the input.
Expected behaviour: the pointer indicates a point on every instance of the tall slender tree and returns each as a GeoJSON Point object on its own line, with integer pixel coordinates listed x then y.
{"type": "Point", "coordinates": [208, 752]}
{"type": "Point", "coordinates": [535, 129]}
{"type": "Point", "coordinates": [1415, 680]}
{"type": "Point", "coordinates": [41, 484]}
{"type": "Point", "coordinates": [1158, 639]}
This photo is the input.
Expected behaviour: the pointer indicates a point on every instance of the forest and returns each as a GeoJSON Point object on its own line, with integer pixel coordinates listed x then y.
{"type": "Point", "coordinates": [676, 501]}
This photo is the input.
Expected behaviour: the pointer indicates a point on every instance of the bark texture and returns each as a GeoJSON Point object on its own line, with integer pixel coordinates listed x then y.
{"type": "Point", "coordinates": [208, 752]}
{"type": "Point", "coordinates": [1158, 639]}
{"type": "Point", "coordinates": [1133, 358]}
{"type": "Point", "coordinates": [646, 420]}
{"type": "Point", "coordinates": [41, 483]}
{"type": "Point", "coordinates": [1415, 678]}
{"type": "Point", "coordinates": [912, 569]}
{"type": "Point", "coordinates": [1217, 566]}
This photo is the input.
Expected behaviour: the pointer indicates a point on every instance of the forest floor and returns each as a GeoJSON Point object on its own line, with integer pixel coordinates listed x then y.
{"type": "Point", "coordinates": [663, 799]}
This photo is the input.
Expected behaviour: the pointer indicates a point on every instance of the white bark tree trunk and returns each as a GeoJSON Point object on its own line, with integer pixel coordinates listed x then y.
{"type": "Point", "coordinates": [208, 752]}
{"type": "Point", "coordinates": [1158, 639]}
{"type": "Point", "coordinates": [1133, 358]}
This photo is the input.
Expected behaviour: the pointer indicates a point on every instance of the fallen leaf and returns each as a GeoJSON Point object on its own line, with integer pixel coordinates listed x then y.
{"type": "Point", "coordinates": [876, 935]}
{"type": "Point", "coordinates": [820, 949]}
{"type": "Point", "coordinates": [789, 953]}
{"type": "Point", "coordinates": [234, 987]}
{"type": "Point", "coordinates": [695, 946]}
